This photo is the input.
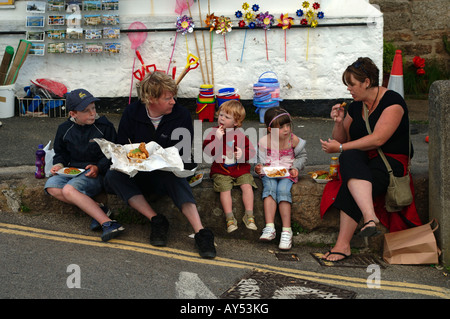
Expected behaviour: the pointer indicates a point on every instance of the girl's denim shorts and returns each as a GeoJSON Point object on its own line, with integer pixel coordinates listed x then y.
{"type": "Point", "coordinates": [278, 188]}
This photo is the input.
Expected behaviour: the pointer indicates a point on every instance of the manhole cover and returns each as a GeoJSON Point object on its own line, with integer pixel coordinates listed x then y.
{"type": "Point", "coordinates": [286, 257]}
{"type": "Point", "coordinates": [267, 285]}
{"type": "Point", "coordinates": [356, 261]}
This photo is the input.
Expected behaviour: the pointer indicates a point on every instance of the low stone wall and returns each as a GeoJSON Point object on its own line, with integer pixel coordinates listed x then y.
{"type": "Point", "coordinates": [26, 191]}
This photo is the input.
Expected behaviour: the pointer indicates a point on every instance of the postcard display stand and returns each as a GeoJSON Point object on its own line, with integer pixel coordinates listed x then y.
{"type": "Point", "coordinates": [73, 27]}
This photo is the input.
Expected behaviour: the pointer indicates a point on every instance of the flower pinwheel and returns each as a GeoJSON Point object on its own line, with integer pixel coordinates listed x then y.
{"type": "Point", "coordinates": [185, 24]}
{"type": "Point", "coordinates": [223, 27]}
{"type": "Point", "coordinates": [285, 21]}
{"type": "Point", "coordinates": [248, 17]}
{"type": "Point", "coordinates": [265, 20]}
{"type": "Point", "coordinates": [211, 21]}
{"type": "Point", "coordinates": [310, 16]}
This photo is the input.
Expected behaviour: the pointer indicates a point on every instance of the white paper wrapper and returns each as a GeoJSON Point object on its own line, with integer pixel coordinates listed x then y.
{"type": "Point", "coordinates": [165, 159]}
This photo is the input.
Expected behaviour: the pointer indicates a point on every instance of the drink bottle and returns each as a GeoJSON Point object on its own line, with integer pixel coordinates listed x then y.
{"type": "Point", "coordinates": [40, 162]}
{"type": "Point", "coordinates": [334, 167]}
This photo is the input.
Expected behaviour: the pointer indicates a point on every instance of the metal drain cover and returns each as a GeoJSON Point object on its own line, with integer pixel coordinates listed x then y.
{"type": "Point", "coordinates": [355, 261]}
{"type": "Point", "coordinates": [286, 257]}
{"type": "Point", "coordinates": [267, 285]}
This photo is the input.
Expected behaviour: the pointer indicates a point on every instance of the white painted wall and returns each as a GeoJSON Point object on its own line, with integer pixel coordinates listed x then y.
{"type": "Point", "coordinates": [330, 50]}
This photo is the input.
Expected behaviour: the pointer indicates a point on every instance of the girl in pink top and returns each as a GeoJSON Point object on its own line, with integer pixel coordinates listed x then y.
{"type": "Point", "coordinates": [280, 148]}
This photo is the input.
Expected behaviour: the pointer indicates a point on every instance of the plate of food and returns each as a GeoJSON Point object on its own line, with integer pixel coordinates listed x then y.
{"type": "Point", "coordinates": [276, 172]}
{"type": "Point", "coordinates": [70, 171]}
{"type": "Point", "coordinates": [196, 179]}
{"type": "Point", "coordinates": [320, 177]}
{"type": "Point", "coordinates": [137, 155]}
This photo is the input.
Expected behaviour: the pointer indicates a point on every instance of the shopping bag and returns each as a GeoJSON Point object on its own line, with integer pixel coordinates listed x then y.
{"type": "Point", "coordinates": [412, 246]}
{"type": "Point", "coordinates": [48, 159]}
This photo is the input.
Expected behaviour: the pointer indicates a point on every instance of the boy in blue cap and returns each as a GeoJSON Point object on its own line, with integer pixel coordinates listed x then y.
{"type": "Point", "coordinates": [74, 147]}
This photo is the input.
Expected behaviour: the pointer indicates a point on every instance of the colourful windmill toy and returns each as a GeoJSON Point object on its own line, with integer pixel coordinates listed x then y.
{"type": "Point", "coordinates": [285, 22]}
{"type": "Point", "coordinates": [249, 16]}
{"type": "Point", "coordinates": [311, 17]}
{"type": "Point", "coordinates": [224, 26]}
{"type": "Point", "coordinates": [265, 21]}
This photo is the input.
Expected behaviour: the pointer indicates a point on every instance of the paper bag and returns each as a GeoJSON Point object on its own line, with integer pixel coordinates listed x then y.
{"type": "Point", "coordinates": [412, 246]}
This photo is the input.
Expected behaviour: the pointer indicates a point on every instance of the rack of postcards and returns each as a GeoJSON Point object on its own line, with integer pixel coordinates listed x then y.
{"type": "Point", "coordinates": [73, 27]}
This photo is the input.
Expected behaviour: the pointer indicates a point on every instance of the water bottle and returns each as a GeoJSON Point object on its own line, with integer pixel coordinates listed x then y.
{"type": "Point", "coordinates": [40, 162]}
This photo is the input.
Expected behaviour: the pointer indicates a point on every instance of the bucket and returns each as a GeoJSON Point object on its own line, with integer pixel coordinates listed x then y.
{"type": "Point", "coordinates": [6, 101]}
{"type": "Point", "coordinates": [206, 111]}
{"type": "Point", "coordinates": [262, 111]}
{"type": "Point", "coordinates": [224, 99]}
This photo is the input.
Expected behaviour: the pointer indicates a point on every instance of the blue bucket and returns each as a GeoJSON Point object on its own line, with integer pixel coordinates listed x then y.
{"type": "Point", "coordinates": [262, 111]}
{"type": "Point", "coordinates": [270, 82]}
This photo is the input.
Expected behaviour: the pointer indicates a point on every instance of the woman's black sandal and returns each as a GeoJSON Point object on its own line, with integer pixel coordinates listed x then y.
{"type": "Point", "coordinates": [369, 231]}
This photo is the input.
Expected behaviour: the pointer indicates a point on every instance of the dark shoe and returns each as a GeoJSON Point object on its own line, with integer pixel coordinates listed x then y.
{"type": "Point", "coordinates": [159, 229]}
{"type": "Point", "coordinates": [369, 231]}
{"type": "Point", "coordinates": [111, 230]}
{"type": "Point", "coordinates": [95, 225]}
{"type": "Point", "coordinates": [344, 256]}
{"type": "Point", "coordinates": [204, 240]}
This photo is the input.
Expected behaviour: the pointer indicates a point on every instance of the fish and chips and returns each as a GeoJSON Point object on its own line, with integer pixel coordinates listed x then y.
{"type": "Point", "coordinates": [139, 153]}
{"type": "Point", "coordinates": [276, 172]}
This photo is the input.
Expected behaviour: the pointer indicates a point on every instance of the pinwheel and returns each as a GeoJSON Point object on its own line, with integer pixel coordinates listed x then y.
{"type": "Point", "coordinates": [184, 25]}
{"type": "Point", "coordinates": [249, 16]}
{"type": "Point", "coordinates": [285, 22]}
{"type": "Point", "coordinates": [224, 26]}
{"type": "Point", "coordinates": [265, 21]}
{"type": "Point", "coordinates": [310, 18]}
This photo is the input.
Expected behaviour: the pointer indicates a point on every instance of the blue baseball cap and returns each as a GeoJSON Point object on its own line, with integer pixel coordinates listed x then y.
{"type": "Point", "coordinates": [79, 99]}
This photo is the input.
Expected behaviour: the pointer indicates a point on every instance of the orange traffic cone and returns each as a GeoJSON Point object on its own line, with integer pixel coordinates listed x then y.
{"type": "Point", "coordinates": [396, 77]}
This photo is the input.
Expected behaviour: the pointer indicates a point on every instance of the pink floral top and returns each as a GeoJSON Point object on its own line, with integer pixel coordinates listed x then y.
{"type": "Point", "coordinates": [284, 158]}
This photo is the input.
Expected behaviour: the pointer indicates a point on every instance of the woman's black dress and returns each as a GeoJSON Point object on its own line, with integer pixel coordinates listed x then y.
{"type": "Point", "coordinates": [357, 164]}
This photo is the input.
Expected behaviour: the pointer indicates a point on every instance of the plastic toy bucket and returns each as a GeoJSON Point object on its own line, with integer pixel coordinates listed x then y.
{"type": "Point", "coordinates": [206, 111]}
{"type": "Point", "coordinates": [226, 92]}
{"type": "Point", "coordinates": [223, 99]}
{"type": "Point", "coordinates": [268, 81]}
{"type": "Point", "coordinates": [262, 112]}
{"type": "Point", "coordinates": [6, 101]}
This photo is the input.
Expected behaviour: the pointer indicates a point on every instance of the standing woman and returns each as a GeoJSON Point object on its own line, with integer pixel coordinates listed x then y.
{"type": "Point", "coordinates": [363, 173]}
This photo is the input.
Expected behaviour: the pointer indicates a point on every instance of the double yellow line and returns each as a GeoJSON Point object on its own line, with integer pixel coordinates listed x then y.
{"type": "Point", "coordinates": [178, 254]}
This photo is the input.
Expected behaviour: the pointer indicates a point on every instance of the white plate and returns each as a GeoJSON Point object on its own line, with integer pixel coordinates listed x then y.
{"type": "Point", "coordinates": [61, 172]}
{"type": "Point", "coordinates": [198, 181]}
{"type": "Point", "coordinates": [271, 170]}
{"type": "Point", "coordinates": [321, 180]}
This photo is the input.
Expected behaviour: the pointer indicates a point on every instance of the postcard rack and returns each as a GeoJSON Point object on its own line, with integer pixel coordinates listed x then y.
{"type": "Point", "coordinates": [41, 107]}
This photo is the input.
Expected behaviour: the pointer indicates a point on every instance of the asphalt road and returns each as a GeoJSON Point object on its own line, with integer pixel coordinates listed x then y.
{"type": "Point", "coordinates": [42, 255]}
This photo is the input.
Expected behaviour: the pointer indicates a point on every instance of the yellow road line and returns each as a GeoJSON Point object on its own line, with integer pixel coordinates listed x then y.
{"type": "Point", "coordinates": [223, 262]}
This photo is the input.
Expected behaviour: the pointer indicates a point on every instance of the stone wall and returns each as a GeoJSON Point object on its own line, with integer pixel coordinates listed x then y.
{"type": "Point", "coordinates": [439, 170]}
{"type": "Point", "coordinates": [417, 27]}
